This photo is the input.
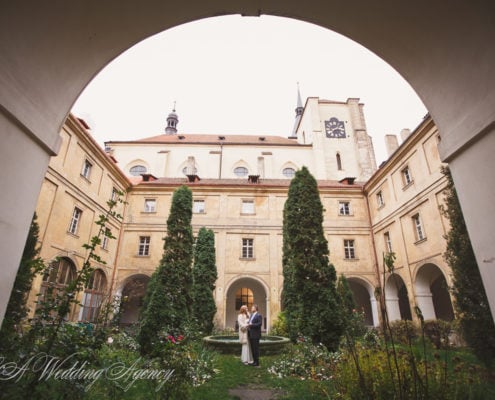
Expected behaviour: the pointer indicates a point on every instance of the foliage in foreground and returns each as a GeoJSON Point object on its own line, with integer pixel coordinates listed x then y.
{"type": "Point", "coordinates": [452, 374]}
{"type": "Point", "coordinates": [473, 310]}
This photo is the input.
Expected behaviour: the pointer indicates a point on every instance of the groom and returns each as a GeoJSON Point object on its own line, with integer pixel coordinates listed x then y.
{"type": "Point", "coordinates": [254, 334]}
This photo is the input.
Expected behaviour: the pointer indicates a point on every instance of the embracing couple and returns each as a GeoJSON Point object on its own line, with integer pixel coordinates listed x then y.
{"type": "Point", "coordinates": [250, 334]}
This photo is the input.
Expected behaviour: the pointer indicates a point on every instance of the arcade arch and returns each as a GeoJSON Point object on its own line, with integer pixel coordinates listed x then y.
{"type": "Point", "coordinates": [132, 293]}
{"type": "Point", "coordinates": [246, 289]}
{"type": "Point", "coordinates": [432, 293]}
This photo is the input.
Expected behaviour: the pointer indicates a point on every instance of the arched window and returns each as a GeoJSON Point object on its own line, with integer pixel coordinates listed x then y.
{"type": "Point", "coordinates": [289, 172]}
{"type": "Point", "coordinates": [339, 162]}
{"type": "Point", "coordinates": [241, 172]}
{"type": "Point", "coordinates": [137, 170]}
{"type": "Point", "coordinates": [243, 297]}
{"type": "Point", "coordinates": [93, 297]}
{"type": "Point", "coordinates": [58, 275]}
{"type": "Point", "coordinates": [186, 171]}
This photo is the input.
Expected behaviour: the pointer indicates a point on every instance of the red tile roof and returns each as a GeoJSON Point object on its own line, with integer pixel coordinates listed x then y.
{"type": "Point", "coordinates": [243, 182]}
{"type": "Point", "coordinates": [214, 139]}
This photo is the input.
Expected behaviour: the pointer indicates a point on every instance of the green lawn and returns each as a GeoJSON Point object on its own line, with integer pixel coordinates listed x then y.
{"type": "Point", "coordinates": [233, 374]}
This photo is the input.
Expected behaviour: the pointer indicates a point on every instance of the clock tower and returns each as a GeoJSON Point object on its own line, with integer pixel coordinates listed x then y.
{"type": "Point", "coordinates": [337, 132]}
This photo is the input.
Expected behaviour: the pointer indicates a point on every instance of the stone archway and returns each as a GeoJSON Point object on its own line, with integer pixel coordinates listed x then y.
{"type": "Point", "coordinates": [397, 299]}
{"type": "Point", "coordinates": [432, 294]}
{"type": "Point", "coordinates": [246, 290]}
{"type": "Point", "coordinates": [132, 295]}
{"type": "Point", "coordinates": [364, 296]}
{"type": "Point", "coordinates": [445, 54]}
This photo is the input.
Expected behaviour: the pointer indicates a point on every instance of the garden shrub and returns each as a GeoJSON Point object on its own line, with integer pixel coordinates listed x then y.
{"type": "Point", "coordinates": [279, 327]}
{"type": "Point", "coordinates": [438, 332]}
{"type": "Point", "coordinates": [404, 331]}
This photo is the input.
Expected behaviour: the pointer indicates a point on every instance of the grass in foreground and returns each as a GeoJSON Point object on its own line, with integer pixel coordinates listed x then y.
{"type": "Point", "coordinates": [233, 374]}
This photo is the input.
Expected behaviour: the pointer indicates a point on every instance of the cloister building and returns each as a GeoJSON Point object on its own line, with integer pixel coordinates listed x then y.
{"type": "Point", "coordinates": [239, 185]}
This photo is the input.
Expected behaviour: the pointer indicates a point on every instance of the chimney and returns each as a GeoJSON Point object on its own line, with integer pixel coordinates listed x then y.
{"type": "Point", "coordinates": [254, 179]}
{"type": "Point", "coordinates": [404, 134]}
{"type": "Point", "coordinates": [391, 144]}
{"type": "Point", "coordinates": [348, 180]}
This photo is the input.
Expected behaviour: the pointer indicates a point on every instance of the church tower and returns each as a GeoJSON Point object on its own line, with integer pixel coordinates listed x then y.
{"type": "Point", "coordinates": [299, 110]}
{"type": "Point", "coordinates": [337, 132]}
{"type": "Point", "coordinates": [172, 121]}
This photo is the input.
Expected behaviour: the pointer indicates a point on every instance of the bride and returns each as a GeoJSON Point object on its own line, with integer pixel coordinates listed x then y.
{"type": "Point", "coordinates": [243, 320]}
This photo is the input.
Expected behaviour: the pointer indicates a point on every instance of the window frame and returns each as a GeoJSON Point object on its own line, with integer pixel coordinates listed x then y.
{"type": "Point", "coordinates": [407, 178]}
{"type": "Point", "coordinates": [346, 207]}
{"type": "Point", "coordinates": [379, 199]}
{"type": "Point", "coordinates": [140, 173]}
{"type": "Point", "coordinates": [147, 208]}
{"type": "Point", "coordinates": [247, 249]}
{"type": "Point", "coordinates": [292, 174]}
{"type": "Point", "coordinates": [251, 210]}
{"type": "Point", "coordinates": [144, 246]}
{"type": "Point", "coordinates": [93, 297]}
{"type": "Point", "coordinates": [419, 228]}
{"type": "Point", "coordinates": [86, 169]}
{"type": "Point", "coordinates": [243, 175]}
{"type": "Point", "coordinates": [75, 221]}
{"type": "Point", "coordinates": [349, 249]}
{"type": "Point", "coordinates": [388, 241]}
{"type": "Point", "coordinates": [202, 210]}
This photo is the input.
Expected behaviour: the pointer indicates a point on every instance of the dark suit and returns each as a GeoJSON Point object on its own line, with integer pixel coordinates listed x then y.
{"type": "Point", "coordinates": [254, 334]}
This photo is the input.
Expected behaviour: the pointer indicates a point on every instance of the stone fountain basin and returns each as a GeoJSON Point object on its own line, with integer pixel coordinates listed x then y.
{"type": "Point", "coordinates": [230, 344]}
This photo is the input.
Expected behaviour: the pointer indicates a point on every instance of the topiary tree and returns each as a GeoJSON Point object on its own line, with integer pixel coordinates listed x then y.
{"type": "Point", "coordinates": [310, 296]}
{"type": "Point", "coordinates": [204, 278]}
{"type": "Point", "coordinates": [471, 303]}
{"type": "Point", "coordinates": [167, 303]}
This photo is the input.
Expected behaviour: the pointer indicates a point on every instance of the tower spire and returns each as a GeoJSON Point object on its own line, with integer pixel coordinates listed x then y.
{"type": "Point", "coordinates": [172, 121]}
{"type": "Point", "coordinates": [299, 110]}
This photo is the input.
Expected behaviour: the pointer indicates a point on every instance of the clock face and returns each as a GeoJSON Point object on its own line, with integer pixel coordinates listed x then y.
{"type": "Point", "coordinates": [334, 128]}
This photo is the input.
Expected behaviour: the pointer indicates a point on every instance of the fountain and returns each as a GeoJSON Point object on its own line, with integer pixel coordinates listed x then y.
{"type": "Point", "coordinates": [230, 344]}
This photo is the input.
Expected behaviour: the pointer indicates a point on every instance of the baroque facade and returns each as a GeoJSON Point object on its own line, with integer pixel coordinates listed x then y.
{"type": "Point", "coordinates": [239, 186]}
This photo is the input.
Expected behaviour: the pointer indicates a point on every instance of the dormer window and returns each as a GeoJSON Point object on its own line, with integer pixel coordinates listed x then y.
{"type": "Point", "coordinates": [137, 170]}
{"type": "Point", "coordinates": [241, 172]}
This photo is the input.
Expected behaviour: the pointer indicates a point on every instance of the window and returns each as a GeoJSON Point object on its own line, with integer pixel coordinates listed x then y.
{"type": "Point", "coordinates": [247, 207]}
{"type": "Point", "coordinates": [339, 162]}
{"type": "Point", "coordinates": [388, 242]}
{"type": "Point", "coordinates": [198, 206]}
{"type": "Point", "coordinates": [344, 208]}
{"type": "Point", "coordinates": [150, 205]}
{"type": "Point", "coordinates": [289, 172]}
{"type": "Point", "coordinates": [74, 222]}
{"type": "Point", "coordinates": [241, 172]}
{"type": "Point", "coordinates": [115, 194]}
{"type": "Point", "coordinates": [379, 199]}
{"type": "Point", "coordinates": [86, 171]}
{"type": "Point", "coordinates": [106, 238]}
{"type": "Point", "coordinates": [189, 171]}
{"type": "Point", "coordinates": [93, 297]}
{"type": "Point", "coordinates": [144, 246]}
{"type": "Point", "coordinates": [349, 251]}
{"type": "Point", "coordinates": [244, 297]}
{"type": "Point", "coordinates": [420, 233]}
{"type": "Point", "coordinates": [406, 176]}
{"type": "Point", "coordinates": [247, 248]}
{"type": "Point", "coordinates": [58, 275]}
{"type": "Point", "coordinates": [137, 170]}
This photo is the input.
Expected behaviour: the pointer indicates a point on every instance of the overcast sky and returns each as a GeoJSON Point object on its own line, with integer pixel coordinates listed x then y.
{"type": "Point", "coordinates": [238, 75]}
